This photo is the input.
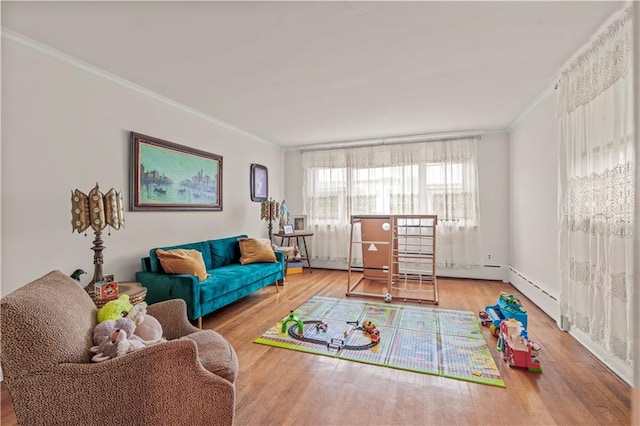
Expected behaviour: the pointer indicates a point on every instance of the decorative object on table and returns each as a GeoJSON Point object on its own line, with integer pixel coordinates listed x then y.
{"type": "Point", "coordinates": [133, 289]}
{"type": "Point", "coordinates": [299, 223]}
{"type": "Point", "coordinates": [287, 229]}
{"type": "Point", "coordinates": [108, 277]}
{"type": "Point", "coordinates": [259, 179]}
{"type": "Point", "coordinates": [442, 342]}
{"type": "Point", "coordinates": [270, 211]}
{"type": "Point", "coordinates": [168, 176]}
{"type": "Point", "coordinates": [284, 214]}
{"type": "Point", "coordinates": [106, 290]}
{"type": "Point", "coordinates": [96, 211]}
{"type": "Point", "coordinates": [76, 274]}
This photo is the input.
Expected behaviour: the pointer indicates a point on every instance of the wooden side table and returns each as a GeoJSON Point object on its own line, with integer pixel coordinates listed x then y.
{"type": "Point", "coordinates": [134, 289]}
{"type": "Point", "coordinates": [297, 235]}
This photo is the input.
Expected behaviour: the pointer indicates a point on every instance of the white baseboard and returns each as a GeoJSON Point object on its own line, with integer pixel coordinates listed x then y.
{"type": "Point", "coordinates": [536, 293]}
{"type": "Point", "coordinates": [485, 272]}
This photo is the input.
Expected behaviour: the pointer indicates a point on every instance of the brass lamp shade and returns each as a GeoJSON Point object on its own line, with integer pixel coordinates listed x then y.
{"type": "Point", "coordinates": [269, 211]}
{"type": "Point", "coordinates": [96, 211]}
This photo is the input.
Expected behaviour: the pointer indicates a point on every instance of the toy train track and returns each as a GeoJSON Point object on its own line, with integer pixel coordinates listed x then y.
{"type": "Point", "coordinates": [293, 332]}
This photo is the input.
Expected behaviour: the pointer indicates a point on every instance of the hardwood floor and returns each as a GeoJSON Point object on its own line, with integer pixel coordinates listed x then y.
{"type": "Point", "coordinates": [278, 386]}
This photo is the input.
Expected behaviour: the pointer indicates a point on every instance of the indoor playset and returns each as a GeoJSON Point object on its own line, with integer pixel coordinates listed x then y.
{"type": "Point", "coordinates": [442, 342]}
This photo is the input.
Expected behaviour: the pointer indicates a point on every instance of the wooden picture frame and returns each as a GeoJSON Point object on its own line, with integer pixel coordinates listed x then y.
{"type": "Point", "coordinates": [169, 176]}
{"type": "Point", "coordinates": [259, 180]}
{"type": "Point", "coordinates": [299, 223]}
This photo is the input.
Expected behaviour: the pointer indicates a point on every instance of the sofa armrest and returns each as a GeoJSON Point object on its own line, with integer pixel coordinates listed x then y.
{"type": "Point", "coordinates": [172, 315]}
{"type": "Point", "coordinates": [161, 287]}
{"type": "Point", "coordinates": [281, 257]}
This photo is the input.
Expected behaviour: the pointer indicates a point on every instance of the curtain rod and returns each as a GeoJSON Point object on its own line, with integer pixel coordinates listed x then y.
{"type": "Point", "coordinates": [395, 140]}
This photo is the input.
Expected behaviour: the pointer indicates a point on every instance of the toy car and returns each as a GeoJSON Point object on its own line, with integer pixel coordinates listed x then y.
{"type": "Point", "coordinates": [508, 307]}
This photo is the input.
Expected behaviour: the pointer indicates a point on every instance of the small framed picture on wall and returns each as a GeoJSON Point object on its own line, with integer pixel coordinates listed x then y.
{"type": "Point", "coordinates": [259, 178]}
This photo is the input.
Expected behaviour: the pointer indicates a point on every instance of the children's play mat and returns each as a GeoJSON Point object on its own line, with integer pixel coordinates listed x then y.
{"type": "Point", "coordinates": [426, 340]}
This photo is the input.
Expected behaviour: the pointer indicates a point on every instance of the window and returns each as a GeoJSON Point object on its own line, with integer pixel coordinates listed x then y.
{"type": "Point", "coordinates": [418, 178]}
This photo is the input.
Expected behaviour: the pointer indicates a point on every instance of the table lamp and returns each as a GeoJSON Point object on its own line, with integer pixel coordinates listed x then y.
{"type": "Point", "coordinates": [96, 211]}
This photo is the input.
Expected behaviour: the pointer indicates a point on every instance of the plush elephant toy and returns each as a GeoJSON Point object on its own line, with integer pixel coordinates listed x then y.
{"type": "Point", "coordinates": [114, 338]}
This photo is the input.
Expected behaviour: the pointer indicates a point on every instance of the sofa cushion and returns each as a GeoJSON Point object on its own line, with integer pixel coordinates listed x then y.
{"type": "Point", "coordinates": [254, 250]}
{"type": "Point", "coordinates": [202, 246]}
{"type": "Point", "coordinates": [181, 261]}
{"type": "Point", "coordinates": [224, 251]}
{"type": "Point", "coordinates": [215, 354]}
{"type": "Point", "coordinates": [230, 278]}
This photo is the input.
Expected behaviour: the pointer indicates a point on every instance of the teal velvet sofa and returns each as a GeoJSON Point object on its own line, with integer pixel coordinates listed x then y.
{"type": "Point", "coordinates": [228, 280]}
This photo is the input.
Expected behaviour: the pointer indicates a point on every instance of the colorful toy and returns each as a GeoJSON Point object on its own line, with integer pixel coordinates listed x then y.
{"type": "Point", "coordinates": [114, 309]}
{"type": "Point", "coordinates": [368, 326]}
{"type": "Point", "coordinates": [322, 325]}
{"type": "Point", "coordinates": [106, 290]}
{"type": "Point", "coordinates": [375, 336]}
{"type": "Point", "coordinates": [517, 349]}
{"type": "Point", "coordinates": [294, 318]}
{"type": "Point", "coordinates": [508, 306]}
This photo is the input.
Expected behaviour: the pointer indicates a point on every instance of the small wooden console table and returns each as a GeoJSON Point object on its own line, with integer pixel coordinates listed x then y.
{"type": "Point", "coordinates": [297, 235]}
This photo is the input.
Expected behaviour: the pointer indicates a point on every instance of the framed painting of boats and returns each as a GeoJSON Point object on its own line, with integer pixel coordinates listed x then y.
{"type": "Point", "coordinates": [169, 176]}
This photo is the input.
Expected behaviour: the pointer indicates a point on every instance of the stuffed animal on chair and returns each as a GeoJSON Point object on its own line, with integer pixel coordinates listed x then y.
{"type": "Point", "coordinates": [146, 327]}
{"type": "Point", "coordinates": [114, 338]}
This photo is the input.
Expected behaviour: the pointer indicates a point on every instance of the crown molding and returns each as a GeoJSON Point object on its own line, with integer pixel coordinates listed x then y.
{"type": "Point", "coordinates": [68, 59]}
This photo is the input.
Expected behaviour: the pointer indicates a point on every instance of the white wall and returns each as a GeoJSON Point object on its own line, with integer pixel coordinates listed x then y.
{"type": "Point", "coordinates": [493, 171]}
{"type": "Point", "coordinates": [534, 205]}
{"type": "Point", "coordinates": [63, 128]}
{"type": "Point", "coordinates": [534, 196]}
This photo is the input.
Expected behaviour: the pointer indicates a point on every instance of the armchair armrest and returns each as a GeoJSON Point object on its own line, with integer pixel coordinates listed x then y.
{"type": "Point", "coordinates": [164, 383]}
{"type": "Point", "coordinates": [172, 315]}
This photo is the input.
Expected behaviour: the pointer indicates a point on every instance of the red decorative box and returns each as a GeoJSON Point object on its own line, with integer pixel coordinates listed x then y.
{"type": "Point", "coordinates": [106, 291]}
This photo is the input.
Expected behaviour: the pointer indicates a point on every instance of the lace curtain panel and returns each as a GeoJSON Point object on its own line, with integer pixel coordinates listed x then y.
{"type": "Point", "coordinates": [431, 177]}
{"type": "Point", "coordinates": [595, 117]}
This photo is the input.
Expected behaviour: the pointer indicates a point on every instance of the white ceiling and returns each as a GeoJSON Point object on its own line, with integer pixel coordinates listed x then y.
{"type": "Point", "coordinates": [298, 73]}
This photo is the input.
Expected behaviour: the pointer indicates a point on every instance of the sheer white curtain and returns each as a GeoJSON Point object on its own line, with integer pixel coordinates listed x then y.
{"type": "Point", "coordinates": [595, 116]}
{"type": "Point", "coordinates": [430, 177]}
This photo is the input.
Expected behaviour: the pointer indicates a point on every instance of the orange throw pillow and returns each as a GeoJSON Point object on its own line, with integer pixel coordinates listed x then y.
{"type": "Point", "coordinates": [253, 250]}
{"type": "Point", "coordinates": [182, 261]}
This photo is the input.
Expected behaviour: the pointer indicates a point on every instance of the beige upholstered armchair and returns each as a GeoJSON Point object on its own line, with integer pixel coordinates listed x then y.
{"type": "Point", "coordinates": [46, 333]}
